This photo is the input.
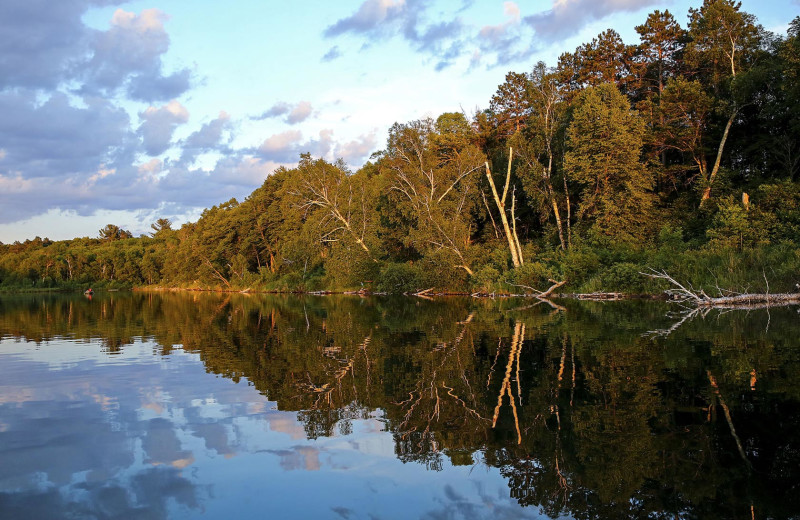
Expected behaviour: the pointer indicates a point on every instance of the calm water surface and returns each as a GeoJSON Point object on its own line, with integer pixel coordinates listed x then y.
{"type": "Point", "coordinates": [233, 406]}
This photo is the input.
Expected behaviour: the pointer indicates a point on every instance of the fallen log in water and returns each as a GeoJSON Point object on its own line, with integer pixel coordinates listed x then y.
{"type": "Point", "coordinates": [734, 300]}
{"type": "Point", "coordinates": [751, 300]}
{"type": "Point", "coordinates": [600, 296]}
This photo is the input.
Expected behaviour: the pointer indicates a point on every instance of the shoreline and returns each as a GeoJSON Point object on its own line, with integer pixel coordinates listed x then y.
{"type": "Point", "coordinates": [755, 301]}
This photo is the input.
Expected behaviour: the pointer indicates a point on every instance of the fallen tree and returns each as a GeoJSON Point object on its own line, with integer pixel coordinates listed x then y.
{"type": "Point", "coordinates": [541, 294]}
{"type": "Point", "coordinates": [730, 300]}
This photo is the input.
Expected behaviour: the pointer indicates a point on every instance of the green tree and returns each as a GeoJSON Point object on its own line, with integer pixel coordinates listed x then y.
{"type": "Point", "coordinates": [658, 55]}
{"type": "Point", "coordinates": [343, 206]}
{"type": "Point", "coordinates": [723, 44]}
{"type": "Point", "coordinates": [112, 232]}
{"type": "Point", "coordinates": [510, 105]}
{"type": "Point", "coordinates": [683, 116]}
{"type": "Point", "coordinates": [162, 224]}
{"type": "Point", "coordinates": [434, 185]}
{"type": "Point", "coordinates": [605, 142]}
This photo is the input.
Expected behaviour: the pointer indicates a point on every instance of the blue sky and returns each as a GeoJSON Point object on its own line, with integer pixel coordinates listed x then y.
{"type": "Point", "coordinates": [125, 112]}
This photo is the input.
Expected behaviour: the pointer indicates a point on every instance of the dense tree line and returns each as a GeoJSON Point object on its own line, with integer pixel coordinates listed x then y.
{"type": "Point", "coordinates": [679, 152]}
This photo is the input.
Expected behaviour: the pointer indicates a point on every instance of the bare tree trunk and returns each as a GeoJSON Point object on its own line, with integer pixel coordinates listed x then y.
{"type": "Point", "coordinates": [217, 273]}
{"type": "Point", "coordinates": [489, 211]}
{"type": "Point", "coordinates": [514, 228]}
{"type": "Point", "coordinates": [569, 214]}
{"type": "Point", "coordinates": [516, 257]}
{"type": "Point", "coordinates": [466, 268]}
{"type": "Point", "coordinates": [715, 169]}
{"type": "Point", "coordinates": [552, 194]}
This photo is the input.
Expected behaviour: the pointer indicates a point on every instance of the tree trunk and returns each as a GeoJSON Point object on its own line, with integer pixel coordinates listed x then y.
{"type": "Point", "coordinates": [551, 192]}
{"type": "Point", "coordinates": [516, 257]}
{"type": "Point", "coordinates": [715, 169]}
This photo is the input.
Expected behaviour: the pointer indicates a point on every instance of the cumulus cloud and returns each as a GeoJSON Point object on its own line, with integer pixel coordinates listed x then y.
{"type": "Point", "coordinates": [46, 44]}
{"type": "Point", "coordinates": [153, 187]}
{"type": "Point", "coordinates": [357, 151]}
{"type": "Point", "coordinates": [158, 124]}
{"type": "Point", "coordinates": [286, 147]}
{"type": "Point", "coordinates": [151, 168]}
{"type": "Point", "coordinates": [41, 40]}
{"type": "Point", "coordinates": [568, 17]}
{"type": "Point", "coordinates": [372, 16]}
{"type": "Point", "coordinates": [299, 113]}
{"type": "Point", "coordinates": [377, 19]}
{"type": "Point", "coordinates": [294, 113]}
{"type": "Point", "coordinates": [152, 85]}
{"type": "Point", "coordinates": [132, 44]}
{"type": "Point", "coordinates": [208, 138]}
{"type": "Point", "coordinates": [278, 109]}
{"type": "Point", "coordinates": [444, 38]}
{"type": "Point", "coordinates": [279, 146]}
{"type": "Point", "coordinates": [55, 138]}
{"type": "Point", "coordinates": [498, 32]}
{"type": "Point", "coordinates": [503, 40]}
{"type": "Point", "coordinates": [129, 54]}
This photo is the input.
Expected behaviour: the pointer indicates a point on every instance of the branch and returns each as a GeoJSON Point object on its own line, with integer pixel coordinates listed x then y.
{"type": "Point", "coordinates": [541, 294]}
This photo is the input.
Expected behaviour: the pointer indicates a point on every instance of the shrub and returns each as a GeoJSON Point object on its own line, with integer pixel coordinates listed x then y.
{"type": "Point", "coordinates": [487, 280]}
{"type": "Point", "coordinates": [398, 278]}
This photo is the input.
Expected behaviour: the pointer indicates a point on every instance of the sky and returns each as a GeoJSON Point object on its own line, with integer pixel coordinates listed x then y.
{"type": "Point", "coordinates": [126, 112]}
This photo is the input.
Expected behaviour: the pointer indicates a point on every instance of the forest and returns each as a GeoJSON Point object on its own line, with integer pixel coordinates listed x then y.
{"type": "Point", "coordinates": [678, 153]}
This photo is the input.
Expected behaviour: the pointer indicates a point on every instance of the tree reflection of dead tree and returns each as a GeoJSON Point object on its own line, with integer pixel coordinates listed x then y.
{"type": "Point", "coordinates": [219, 308]}
{"type": "Point", "coordinates": [561, 366]}
{"type": "Point", "coordinates": [727, 412]}
{"type": "Point", "coordinates": [367, 361]}
{"type": "Point", "coordinates": [494, 364]}
{"type": "Point", "coordinates": [428, 388]}
{"type": "Point", "coordinates": [505, 389]}
{"type": "Point", "coordinates": [685, 316]}
{"type": "Point", "coordinates": [325, 391]}
{"type": "Point", "coordinates": [563, 483]}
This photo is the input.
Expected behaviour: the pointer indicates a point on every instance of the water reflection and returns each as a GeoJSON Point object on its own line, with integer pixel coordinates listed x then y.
{"type": "Point", "coordinates": [126, 406]}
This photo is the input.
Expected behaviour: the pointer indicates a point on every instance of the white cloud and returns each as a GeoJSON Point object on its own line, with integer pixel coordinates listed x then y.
{"type": "Point", "coordinates": [568, 17]}
{"type": "Point", "coordinates": [356, 152]}
{"type": "Point", "coordinates": [371, 15]}
{"type": "Point", "coordinates": [279, 143]}
{"type": "Point", "coordinates": [299, 113]}
{"type": "Point", "coordinates": [294, 113]}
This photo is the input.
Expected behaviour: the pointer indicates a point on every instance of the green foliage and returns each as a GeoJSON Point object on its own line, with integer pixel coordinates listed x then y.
{"type": "Point", "coordinates": [535, 274]}
{"type": "Point", "coordinates": [604, 157]}
{"type": "Point", "coordinates": [622, 277]}
{"type": "Point", "coordinates": [487, 280]}
{"type": "Point", "coordinates": [736, 226]}
{"type": "Point", "coordinates": [398, 278]}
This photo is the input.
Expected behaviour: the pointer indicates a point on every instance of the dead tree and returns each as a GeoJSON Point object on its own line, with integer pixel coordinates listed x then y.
{"type": "Point", "coordinates": [730, 300]}
{"type": "Point", "coordinates": [511, 231]}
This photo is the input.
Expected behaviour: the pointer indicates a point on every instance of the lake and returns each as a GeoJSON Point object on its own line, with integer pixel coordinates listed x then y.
{"type": "Point", "coordinates": [200, 405]}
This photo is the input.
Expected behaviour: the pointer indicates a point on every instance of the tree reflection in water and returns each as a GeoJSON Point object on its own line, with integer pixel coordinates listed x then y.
{"type": "Point", "coordinates": [583, 412]}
